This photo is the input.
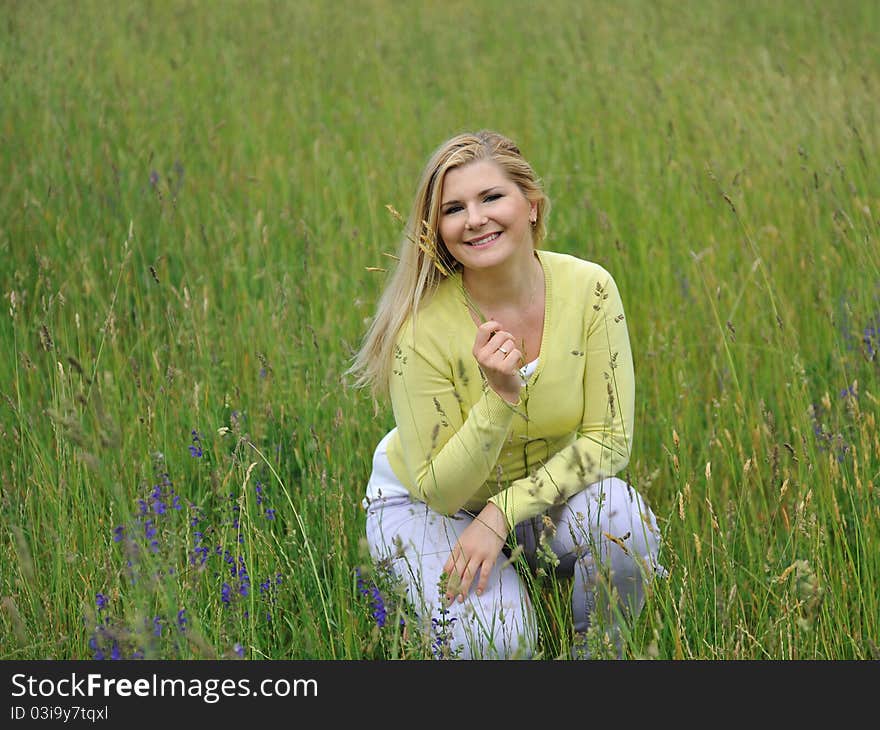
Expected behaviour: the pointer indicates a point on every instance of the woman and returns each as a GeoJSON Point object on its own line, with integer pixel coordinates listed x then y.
{"type": "Point", "coordinates": [511, 383]}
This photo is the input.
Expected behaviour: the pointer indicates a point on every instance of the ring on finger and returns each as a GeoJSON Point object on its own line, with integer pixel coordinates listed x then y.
{"type": "Point", "coordinates": [504, 350]}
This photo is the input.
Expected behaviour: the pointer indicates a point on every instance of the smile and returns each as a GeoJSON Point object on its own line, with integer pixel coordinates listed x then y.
{"type": "Point", "coordinates": [483, 240]}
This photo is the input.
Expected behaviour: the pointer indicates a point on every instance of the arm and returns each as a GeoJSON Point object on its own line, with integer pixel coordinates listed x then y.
{"type": "Point", "coordinates": [604, 437]}
{"type": "Point", "coordinates": [447, 456]}
{"type": "Point", "coordinates": [476, 552]}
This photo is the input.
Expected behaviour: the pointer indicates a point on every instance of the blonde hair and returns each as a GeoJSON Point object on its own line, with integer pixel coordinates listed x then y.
{"type": "Point", "coordinates": [423, 260]}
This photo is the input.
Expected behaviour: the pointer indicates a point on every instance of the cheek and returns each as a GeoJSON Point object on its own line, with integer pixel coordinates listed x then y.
{"type": "Point", "coordinates": [520, 212]}
{"type": "Point", "coordinates": [454, 256]}
{"type": "Point", "coordinates": [449, 230]}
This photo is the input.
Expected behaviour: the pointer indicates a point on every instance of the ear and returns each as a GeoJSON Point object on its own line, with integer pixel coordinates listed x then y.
{"type": "Point", "coordinates": [533, 212]}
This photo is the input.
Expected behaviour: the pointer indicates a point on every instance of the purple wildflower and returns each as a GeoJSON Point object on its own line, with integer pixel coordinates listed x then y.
{"type": "Point", "coordinates": [244, 580]}
{"type": "Point", "coordinates": [871, 340]}
{"type": "Point", "coordinates": [150, 533]}
{"type": "Point", "coordinates": [101, 601]}
{"type": "Point", "coordinates": [379, 612]}
{"type": "Point", "coordinates": [195, 449]}
{"type": "Point", "coordinates": [200, 553]}
{"type": "Point", "coordinates": [372, 591]}
{"type": "Point", "coordinates": [442, 629]}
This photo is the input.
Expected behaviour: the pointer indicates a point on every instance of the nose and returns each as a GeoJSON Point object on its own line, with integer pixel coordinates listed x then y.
{"type": "Point", "coordinates": [475, 217]}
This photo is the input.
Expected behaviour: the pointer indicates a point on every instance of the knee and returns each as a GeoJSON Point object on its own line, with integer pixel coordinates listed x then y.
{"type": "Point", "coordinates": [629, 520]}
{"type": "Point", "coordinates": [628, 539]}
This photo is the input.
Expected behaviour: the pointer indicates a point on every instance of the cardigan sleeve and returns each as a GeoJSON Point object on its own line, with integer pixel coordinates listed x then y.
{"type": "Point", "coordinates": [604, 437]}
{"type": "Point", "coordinates": [448, 457]}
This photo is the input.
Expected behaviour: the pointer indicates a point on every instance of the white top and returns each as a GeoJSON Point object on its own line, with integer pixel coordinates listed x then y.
{"type": "Point", "coordinates": [383, 481]}
{"type": "Point", "coordinates": [527, 370]}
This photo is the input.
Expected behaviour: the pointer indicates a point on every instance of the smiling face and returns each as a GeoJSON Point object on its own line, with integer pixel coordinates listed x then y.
{"type": "Point", "coordinates": [485, 218]}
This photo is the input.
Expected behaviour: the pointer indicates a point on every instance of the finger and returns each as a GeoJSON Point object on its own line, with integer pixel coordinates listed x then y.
{"type": "Point", "coordinates": [449, 569]}
{"type": "Point", "coordinates": [466, 579]}
{"type": "Point", "coordinates": [501, 339]}
{"type": "Point", "coordinates": [485, 572]}
{"type": "Point", "coordinates": [455, 567]}
{"type": "Point", "coordinates": [453, 585]}
{"type": "Point", "coordinates": [485, 332]}
{"type": "Point", "coordinates": [506, 347]}
{"type": "Point", "coordinates": [512, 360]}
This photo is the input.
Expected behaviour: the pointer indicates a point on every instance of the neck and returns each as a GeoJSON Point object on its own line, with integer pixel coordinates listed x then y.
{"type": "Point", "coordinates": [511, 285]}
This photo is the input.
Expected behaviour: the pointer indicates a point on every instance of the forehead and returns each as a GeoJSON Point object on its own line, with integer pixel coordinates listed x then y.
{"type": "Point", "coordinates": [472, 178]}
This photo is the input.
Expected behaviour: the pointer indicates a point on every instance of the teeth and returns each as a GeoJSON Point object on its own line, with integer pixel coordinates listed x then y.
{"type": "Point", "coordinates": [481, 241]}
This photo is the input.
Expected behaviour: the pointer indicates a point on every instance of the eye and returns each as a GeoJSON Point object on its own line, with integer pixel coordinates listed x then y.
{"type": "Point", "coordinates": [492, 196]}
{"type": "Point", "coordinates": [452, 209]}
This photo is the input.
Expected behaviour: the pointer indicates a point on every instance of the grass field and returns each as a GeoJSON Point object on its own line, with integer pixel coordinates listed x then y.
{"type": "Point", "coordinates": [192, 195]}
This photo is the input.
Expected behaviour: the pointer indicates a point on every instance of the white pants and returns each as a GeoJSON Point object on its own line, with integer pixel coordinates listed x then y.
{"type": "Point", "coordinates": [608, 575]}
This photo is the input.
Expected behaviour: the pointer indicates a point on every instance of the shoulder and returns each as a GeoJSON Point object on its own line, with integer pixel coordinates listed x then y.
{"type": "Point", "coordinates": [572, 271]}
{"type": "Point", "coordinates": [442, 302]}
{"type": "Point", "coordinates": [437, 319]}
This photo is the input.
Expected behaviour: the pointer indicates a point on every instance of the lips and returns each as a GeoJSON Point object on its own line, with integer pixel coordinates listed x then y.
{"type": "Point", "coordinates": [483, 240]}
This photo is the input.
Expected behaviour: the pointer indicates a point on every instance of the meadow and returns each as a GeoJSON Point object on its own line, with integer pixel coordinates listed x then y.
{"type": "Point", "coordinates": [193, 228]}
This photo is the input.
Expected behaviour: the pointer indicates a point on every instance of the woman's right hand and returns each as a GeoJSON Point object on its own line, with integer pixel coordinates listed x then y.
{"type": "Point", "coordinates": [498, 357]}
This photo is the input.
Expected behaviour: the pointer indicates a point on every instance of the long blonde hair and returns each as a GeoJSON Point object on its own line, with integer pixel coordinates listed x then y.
{"type": "Point", "coordinates": [423, 260]}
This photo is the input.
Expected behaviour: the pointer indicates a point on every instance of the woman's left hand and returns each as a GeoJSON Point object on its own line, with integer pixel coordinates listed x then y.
{"type": "Point", "coordinates": [476, 552]}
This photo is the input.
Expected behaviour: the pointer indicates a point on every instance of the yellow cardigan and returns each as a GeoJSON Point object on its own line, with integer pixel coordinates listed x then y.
{"type": "Point", "coordinates": [458, 444]}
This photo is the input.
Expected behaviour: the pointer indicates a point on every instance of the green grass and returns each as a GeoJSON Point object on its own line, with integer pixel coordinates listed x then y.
{"type": "Point", "coordinates": [192, 194]}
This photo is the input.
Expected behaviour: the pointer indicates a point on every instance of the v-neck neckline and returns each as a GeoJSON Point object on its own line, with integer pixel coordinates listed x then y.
{"type": "Point", "coordinates": [548, 300]}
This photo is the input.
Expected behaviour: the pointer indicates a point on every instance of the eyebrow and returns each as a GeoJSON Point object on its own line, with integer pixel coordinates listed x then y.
{"type": "Point", "coordinates": [482, 192]}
